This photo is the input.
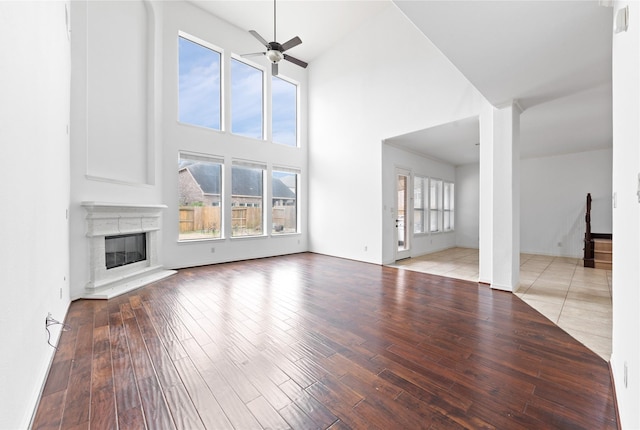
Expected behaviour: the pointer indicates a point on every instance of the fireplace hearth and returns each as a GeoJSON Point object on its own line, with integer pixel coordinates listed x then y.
{"type": "Point", "coordinates": [123, 248]}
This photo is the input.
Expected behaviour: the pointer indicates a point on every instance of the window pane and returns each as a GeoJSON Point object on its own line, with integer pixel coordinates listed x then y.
{"type": "Point", "coordinates": [284, 214]}
{"type": "Point", "coordinates": [449, 199]}
{"type": "Point", "coordinates": [435, 205]}
{"type": "Point", "coordinates": [418, 221]}
{"type": "Point", "coordinates": [200, 197]}
{"type": "Point", "coordinates": [246, 201]}
{"type": "Point", "coordinates": [198, 85]}
{"type": "Point", "coordinates": [418, 204]}
{"type": "Point", "coordinates": [246, 100]}
{"type": "Point", "coordinates": [433, 220]}
{"type": "Point", "coordinates": [284, 111]}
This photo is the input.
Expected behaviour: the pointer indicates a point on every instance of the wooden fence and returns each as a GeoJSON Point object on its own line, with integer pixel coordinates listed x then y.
{"type": "Point", "coordinates": [199, 218]}
{"type": "Point", "coordinates": [206, 219]}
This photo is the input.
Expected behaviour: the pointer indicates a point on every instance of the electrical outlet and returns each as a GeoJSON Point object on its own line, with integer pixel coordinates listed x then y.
{"type": "Point", "coordinates": [626, 373]}
{"type": "Point", "coordinates": [365, 248]}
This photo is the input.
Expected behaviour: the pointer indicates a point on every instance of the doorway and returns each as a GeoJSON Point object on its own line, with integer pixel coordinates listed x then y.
{"type": "Point", "coordinates": [402, 215]}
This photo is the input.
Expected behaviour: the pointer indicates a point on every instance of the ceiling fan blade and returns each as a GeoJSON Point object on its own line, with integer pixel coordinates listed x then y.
{"type": "Point", "coordinates": [290, 44]}
{"type": "Point", "coordinates": [260, 38]}
{"type": "Point", "coordinates": [294, 60]}
{"type": "Point", "coordinates": [274, 69]}
{"type": "Point", "coordinates": [253, 54]}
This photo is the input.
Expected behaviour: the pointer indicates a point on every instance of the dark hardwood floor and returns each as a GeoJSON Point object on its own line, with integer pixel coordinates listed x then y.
{"type": "Point", "coordinates": [311, 342]}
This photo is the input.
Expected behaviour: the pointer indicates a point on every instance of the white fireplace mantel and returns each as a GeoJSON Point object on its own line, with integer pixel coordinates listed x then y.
{"type": "Point", "coordinates": [111, 219]}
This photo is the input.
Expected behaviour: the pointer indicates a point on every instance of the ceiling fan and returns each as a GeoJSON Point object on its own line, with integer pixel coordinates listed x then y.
{"type": "Point", "coordinates": [276, 51]}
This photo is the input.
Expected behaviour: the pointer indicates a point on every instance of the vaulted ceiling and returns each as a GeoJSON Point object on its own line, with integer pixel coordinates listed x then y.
{"type": "Point", "coordinates": [552, 57]}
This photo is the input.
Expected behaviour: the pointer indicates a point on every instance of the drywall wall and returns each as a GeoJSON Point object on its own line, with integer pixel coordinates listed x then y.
{"type": "Point", "coordinates": [625, 357]}
{"type": "Point", "coordinates": [467, 206]}
{"type": "Point", "coordinates": [34, 185]}
{"type": "Point", "coordinates": [358, 98]}
{"type": "Point", "coordinates": [115, 102]}
{"type": "Point", "coordinates": [553, 199]}
{"type": "Point", "coordinates": [177, 137]}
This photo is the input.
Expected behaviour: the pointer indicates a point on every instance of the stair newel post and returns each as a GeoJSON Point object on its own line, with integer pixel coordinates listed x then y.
{"type": "Point", "coordinates": [588, 240]}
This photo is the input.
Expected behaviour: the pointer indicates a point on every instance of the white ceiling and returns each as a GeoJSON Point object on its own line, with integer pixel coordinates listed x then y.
{"type": "Point", "coordinates": [552, 57]}
{"type": "Point", "coordinates": [454, 143]}
{"type": "Point", "coordinates": [319, 23]}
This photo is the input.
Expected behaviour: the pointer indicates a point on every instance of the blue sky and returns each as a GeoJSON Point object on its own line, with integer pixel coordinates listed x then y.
{"type": "Point", "coordinates": [246, 100]}
{"type": "Point", "coordinates": [199, 95]}
{"type": "Point", "coordinates": [199, 85]}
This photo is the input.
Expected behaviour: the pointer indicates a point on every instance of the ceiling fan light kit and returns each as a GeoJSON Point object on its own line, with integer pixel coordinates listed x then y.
{"type": "Point", "coordinates": [274, 56]}
{"type": "Point", "coordinates": [275, 51]}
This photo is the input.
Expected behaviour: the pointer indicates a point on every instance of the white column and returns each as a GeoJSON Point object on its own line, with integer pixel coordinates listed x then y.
{"type": "Point", "coordinates": [486, 195]}
{"type": "Point", "coordinates": [506, 198]}
{"type": "Point", "coordinates": [625, 357]}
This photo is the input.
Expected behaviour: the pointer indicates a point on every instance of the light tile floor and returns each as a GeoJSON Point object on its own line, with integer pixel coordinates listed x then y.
{"type": "Point", "coordinates": [576, 298]}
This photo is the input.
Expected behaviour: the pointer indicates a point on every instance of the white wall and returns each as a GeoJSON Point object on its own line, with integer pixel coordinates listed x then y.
{"type": "Point", "coordinates": [418, 166]}
{"type": "Point", "coordinates": [553, 199]}
{"type": "Point", "coordinates": [626, 232]}
{"type": "Point", "coordinates": [125, 134]}
{"type": "Point", "coordinates": [467, 206]}
{"type": "Point", "coordinates": [356, 100]}
{"type": "Point", "coordinates": [115, 102]}
{"type": "Point", "coordinates": [34, 185]}
{"type": "Point", "coordinates": [180, 16]}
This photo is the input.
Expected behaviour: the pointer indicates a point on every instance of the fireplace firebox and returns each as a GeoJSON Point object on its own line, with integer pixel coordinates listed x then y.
{"type": "Point", "coordinates": [125, 249]}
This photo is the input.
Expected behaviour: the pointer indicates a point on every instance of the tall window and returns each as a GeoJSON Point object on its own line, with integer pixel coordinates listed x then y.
{"type": "Point", "coordinates": [419, 204]}
{"type": "Point", "coordinates": [435, 205]}
{"type": "Point", "coordinates": [448, 206]}
{"type": "Point", "coordinates": [246, 100]}
{"type": "Point", "coordinates": [284, 206]}
{"type": "Point", "coordinates": [247, 199]}
{"type": "Point", "coordinates": [198, 84]}
{"type": "Point", "coordinates": [284, 111]}
{"type": "Point", "coordinates": [199, 197]}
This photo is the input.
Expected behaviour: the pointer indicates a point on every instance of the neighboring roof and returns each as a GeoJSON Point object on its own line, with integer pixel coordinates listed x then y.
{"type": "Point", "coordinates": [207, 176]}
{"type": "Point", "coordinates": [246, 182]}
{"type": "Point", "coordinates": [280, 190]}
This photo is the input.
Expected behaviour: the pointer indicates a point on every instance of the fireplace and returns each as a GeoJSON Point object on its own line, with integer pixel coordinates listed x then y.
{"type": "Point", "coordinates": [123, 248]}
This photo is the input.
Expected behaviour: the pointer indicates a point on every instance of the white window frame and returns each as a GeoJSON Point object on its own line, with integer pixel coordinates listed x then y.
{"type": "Point", "coordinates": [264, 96]}
{"type": "Point", "coordinates": [220, 51]}
{"type": "Point", "coordinates": [208, 159]}
{"type": "Point", "coordinates": [448, 196]}
{"type": "Point", "coordinates": [437, 210]}
{"type": "Point", "coordinates": [257, 166]}
{"type": "Point", "coordinates": [424, 203]}
{"type": "Point", "coordinates": [297, 85]}
{"type": "Point", "coordinates": [292, 170]}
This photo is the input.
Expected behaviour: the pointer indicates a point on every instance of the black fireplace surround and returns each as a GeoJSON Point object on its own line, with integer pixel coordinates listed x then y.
{"type": "Point", "coordinates": [125, 249]}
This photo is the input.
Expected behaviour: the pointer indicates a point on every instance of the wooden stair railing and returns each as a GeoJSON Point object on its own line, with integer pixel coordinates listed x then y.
{"type": "Point", "coordinates": [597, 246]}
{"type": "Point", "coordinates": [588, 242]}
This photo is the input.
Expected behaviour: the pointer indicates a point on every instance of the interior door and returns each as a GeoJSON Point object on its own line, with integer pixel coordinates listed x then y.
{"type": "Point", "coordinates": [403, 212]}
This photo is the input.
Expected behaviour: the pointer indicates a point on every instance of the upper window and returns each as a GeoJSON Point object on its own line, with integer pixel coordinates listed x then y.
{"type": "Point", "coordinates": [284, 206]}
{"type": "Point", "coordinates": [199, 197]}
{"type": "Point", "coordinates": [284, 109]}
{"type": "Point", "coordinates": [246, 100]}
{"type": "Point", "coordinates": [419, 204]}
{"type": "Point", "coordinates": [198, 84]}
